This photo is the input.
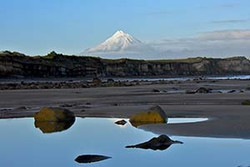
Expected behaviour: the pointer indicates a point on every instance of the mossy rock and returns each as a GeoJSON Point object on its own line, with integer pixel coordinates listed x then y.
{"type": "Point", "coordinates": [54, 114]}
{"type": "Point", "coordinates": [152, 116]}
{"type": "Point", "coordinates": [246, 102]}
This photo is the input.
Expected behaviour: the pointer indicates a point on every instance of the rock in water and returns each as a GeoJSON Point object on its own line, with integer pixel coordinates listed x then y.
{"type": "Point", "coordinates": [121, 122]}
{"type": "Point", "coordinates": [153, 115]}
{"type": "Point", "coordinates": [54, 114]}
{"type": "Point", "coordinates": [157, 143]}
{"type": "Point", "coordinates": [90, 158]}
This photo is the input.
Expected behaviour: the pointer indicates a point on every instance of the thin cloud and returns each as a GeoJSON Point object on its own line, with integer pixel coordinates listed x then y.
{"type": "Point", "coordinates": [211, 44]}
{"type": "Point", "coordinates": [226, 34]}
{"type": "Point", "coordinates": [233, 21]}
{"type": "Point", "coordinates": [228, 6]}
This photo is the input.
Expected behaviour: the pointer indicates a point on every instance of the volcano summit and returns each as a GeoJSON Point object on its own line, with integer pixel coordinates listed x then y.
{"type": "Point", "coordinates": [120, 45]}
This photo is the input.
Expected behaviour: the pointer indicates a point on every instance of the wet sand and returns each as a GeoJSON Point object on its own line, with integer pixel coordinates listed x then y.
{"type": "Point", "coordinates": [228, 118]}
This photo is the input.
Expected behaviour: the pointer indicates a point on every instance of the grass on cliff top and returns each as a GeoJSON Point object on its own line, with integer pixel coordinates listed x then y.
{"type": "Point", "coordinates": [52, 55]}
{"type": "Point", "coordinates": [122, 60]}
{"type": "Point", "coordinates": [8, 53]}
{"type": "Point", "coordinates": [187, 60]}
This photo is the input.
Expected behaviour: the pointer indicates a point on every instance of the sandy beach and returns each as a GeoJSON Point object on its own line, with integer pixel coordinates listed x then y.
{"type": "Point", "coordinates": [222, 106]}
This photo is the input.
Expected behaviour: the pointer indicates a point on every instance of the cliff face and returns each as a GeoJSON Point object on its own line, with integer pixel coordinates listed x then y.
{"type": "Point", "coordinates": [14, 64]}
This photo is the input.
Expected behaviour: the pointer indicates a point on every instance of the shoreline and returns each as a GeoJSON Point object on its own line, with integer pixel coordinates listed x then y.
{"type": "Point", "coordinates": [73, 83]}
{"type": "Point", "coordinates": [223, 109]}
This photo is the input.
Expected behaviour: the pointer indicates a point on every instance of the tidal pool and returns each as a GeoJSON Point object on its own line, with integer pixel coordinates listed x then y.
{"type": "Point", "coordinates": [22, 144]}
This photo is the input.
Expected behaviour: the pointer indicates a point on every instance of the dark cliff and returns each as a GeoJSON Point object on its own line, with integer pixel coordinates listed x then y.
{"type": "Point", "coordinates": [13, 64]}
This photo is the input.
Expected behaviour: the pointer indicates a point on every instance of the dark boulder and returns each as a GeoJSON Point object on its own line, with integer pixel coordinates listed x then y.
{"type": "Point", "coordinates": [204, 90]}
{"type": "Point", "coordinates": [121, 122]}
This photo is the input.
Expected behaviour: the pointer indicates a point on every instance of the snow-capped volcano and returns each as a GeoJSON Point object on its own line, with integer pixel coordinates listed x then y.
{"type": "Point", "coordinates": [120, 41]}
{"type": "Point", "coordinates": [120, 45]}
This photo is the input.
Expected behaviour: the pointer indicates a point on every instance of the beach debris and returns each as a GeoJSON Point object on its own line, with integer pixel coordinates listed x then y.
{"type": "Point", "coordinates": [55, 114]}
{"type": "Point", "coordinates": [246, 102]}
{"type": "Point", "coordinates": [21, 108]}
{"type": "Point", "coordinates": [121, 122]}
{"type": "Point", "coordinates": [204, 90]}
{"type": "Point", "coordinates": [231, 91]}
{"type": "Point", "coordinates": [190, 92]}
{"type": "Point", "coordinates": [110, 80]}
{"type": "Point", "coordinates": [156, 90]}
{"type": "Point", "coordinates": [90, 158]}
{"type": "Point", "coordinates": [157, 143]}
{"type": "Point", "coordinates": [153, 115]}
{"type": "Point", "coordinates": [97, 81]}
{"type": "Point", "coordinates": [68, 105]}
{"type": "Point", "coordinates": [51, 127]}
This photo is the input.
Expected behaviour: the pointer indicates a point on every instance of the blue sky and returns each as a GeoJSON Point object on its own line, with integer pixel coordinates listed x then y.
{"type": "Point", "coordinates": [36, 27]}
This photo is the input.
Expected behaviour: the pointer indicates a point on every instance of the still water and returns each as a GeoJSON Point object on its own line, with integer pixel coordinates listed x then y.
{"type": "Point", "coordinates": [24, 145]}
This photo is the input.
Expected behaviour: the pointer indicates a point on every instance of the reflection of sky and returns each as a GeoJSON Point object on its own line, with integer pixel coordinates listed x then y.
{"type": "Point", "coordinates": [185, 120]}
{"type": "Point", "coordinates": [23, 145]}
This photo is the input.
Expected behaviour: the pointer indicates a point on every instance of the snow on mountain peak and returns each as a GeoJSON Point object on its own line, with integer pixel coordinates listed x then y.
{"type": "Point", "coordinates": [120, 41]}
{"type": "Point", "coordinates": [120, 44]}
{"type": "Point", "coordinates": [119, 33]}
{"type": "Point", "coordinates": [124, 36]}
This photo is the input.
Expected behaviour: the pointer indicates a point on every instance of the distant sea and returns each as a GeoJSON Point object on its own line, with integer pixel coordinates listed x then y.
{"type": "Point", "coordinates": [187, 78]}
{"type": "Point", "coordinates": [78, 79]}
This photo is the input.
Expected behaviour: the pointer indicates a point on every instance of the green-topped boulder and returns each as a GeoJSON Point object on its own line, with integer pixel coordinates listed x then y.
{"type": "Point", "coordinates": [153, 115]}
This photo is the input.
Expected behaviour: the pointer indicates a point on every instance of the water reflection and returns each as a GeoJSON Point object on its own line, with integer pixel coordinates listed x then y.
{"type": "Point", "coordinates": [157, 143]}
{"type": "Point", "coordinates": [29, 147]}
{"type": "Point", "coordinates": [90, 158]}
{"type": "Point", "coordinates": [51, 127]}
